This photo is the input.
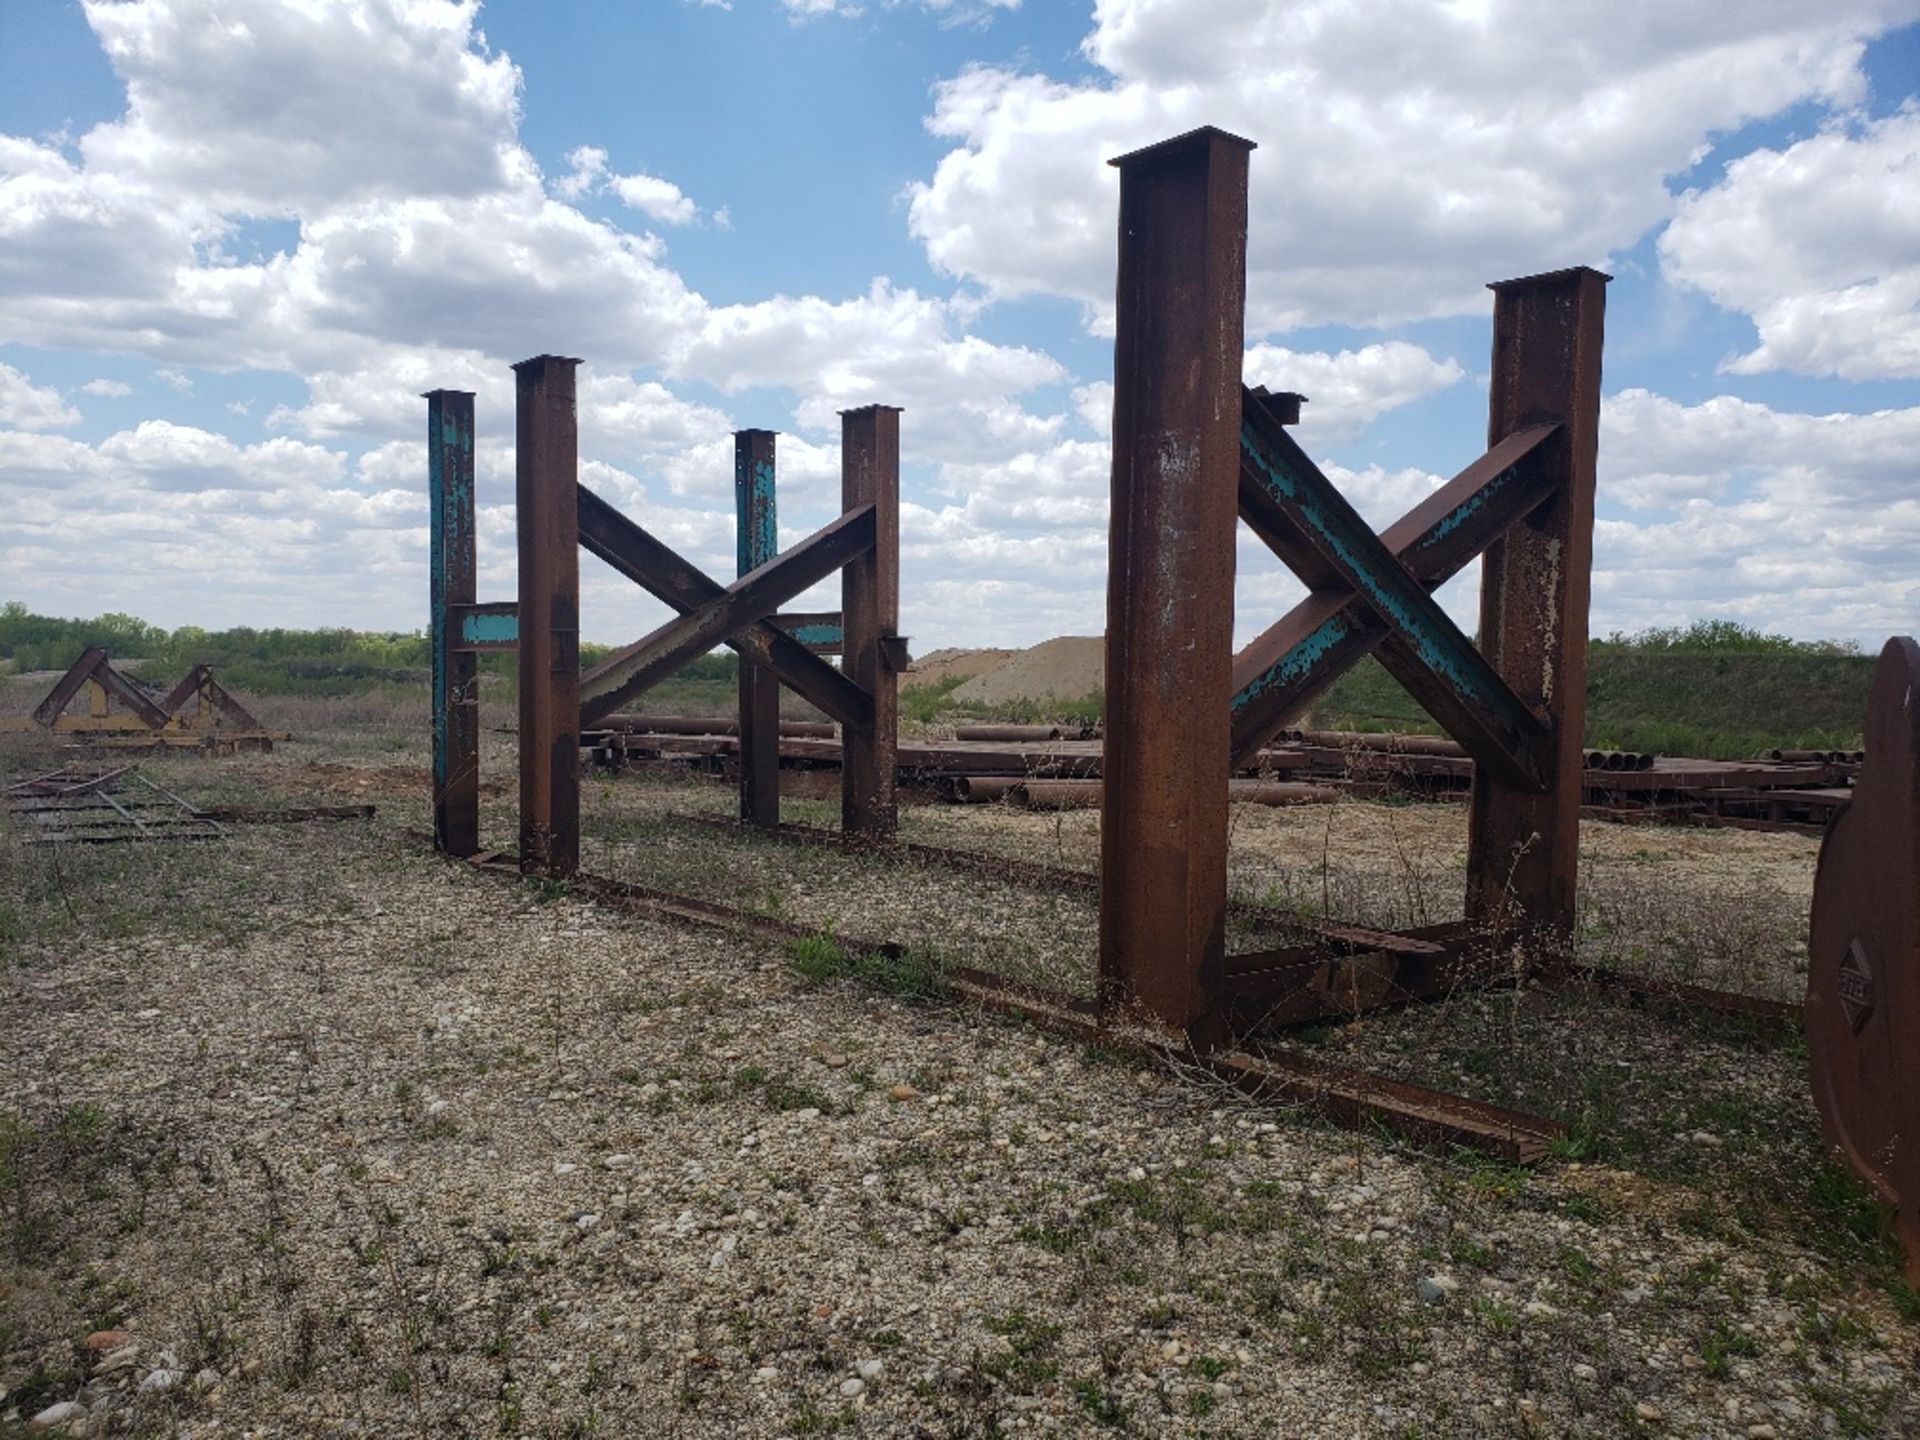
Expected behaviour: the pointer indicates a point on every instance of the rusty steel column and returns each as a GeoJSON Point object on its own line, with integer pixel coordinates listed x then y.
{"type": "Point", "coordinates": [757, 540]}
{"type": "Point", "coordinates": [546, 466]}
{"type": "Point", "coordinates": [456, 719]}
{"type": "Point", "coordinates": [870, 606]}
{"type": "Point", "coordinates": [1176, 470]}
{"type": "Point", "coordinates": [1523, 846]}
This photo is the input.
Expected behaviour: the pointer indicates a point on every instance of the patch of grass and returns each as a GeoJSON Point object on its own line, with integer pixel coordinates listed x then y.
{"type": "Point", "coordinates": [912, 974]}
{"type": "Point", "coordinates": [1100, 1404]}
{"type": "Point", "coordinates": [1027, 1361]}
{"type": "Point", "coordinates": [1721, 1344]}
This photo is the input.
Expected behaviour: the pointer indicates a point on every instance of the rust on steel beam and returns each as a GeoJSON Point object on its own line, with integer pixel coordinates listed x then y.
{"type": "Point", "coordinates": [54, 703]}
{"type": "Point", "coordinates": [1863, 956]}
{"type": "Point", "coordinates": [1307, 984]}
{"type": "Point", "coordinates": [94, 665]}
{"type": "Point", "coordinates": [629, 549]}
{"type": "Point", "coordinates": [870, 618]}
{"type": "Point", "coordinates": [1358, 1099]}
{"type": "Point", "coordinates": [756, 541]}
{"type": "Point", "coordinates": [1523, 845]}
{"type": "Point", "coordinates": [756, 595]}
{"type": "Point", "coordinates": [546, 464]}
{"type": "Point", "coordinates": [185, 689]}
{"type": "Point", "coordinates": [453, 560]}
{"type": "Point", "coordinates": [1294, 660]}
{"type": "Point", "coordinates": [1424, 649]}
{"type": "Point", "coordinates": [1179, 301]}
{"type": "Point", "coordinates": [213, 696]}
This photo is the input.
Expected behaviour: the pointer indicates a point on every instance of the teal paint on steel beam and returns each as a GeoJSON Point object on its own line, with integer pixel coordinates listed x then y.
{"type": "Point", "coordinates": [1298, 662]}
{"type": "Point", "coordinates": [816, 637]}
{"type": "Point", "coordinates": [451, 566]}
{"type": "Point", "coordinates": [489, 629]}
{"type": "Point", "coordinates": [756, 542]}
{"type": "Point", "coordinates": [757, 530]}
{"type": "Point", "coordinates": [1323, 641]}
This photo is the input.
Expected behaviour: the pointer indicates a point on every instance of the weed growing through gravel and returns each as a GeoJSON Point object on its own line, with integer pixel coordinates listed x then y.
{"type": "Point", "coordinates": [911, 974]}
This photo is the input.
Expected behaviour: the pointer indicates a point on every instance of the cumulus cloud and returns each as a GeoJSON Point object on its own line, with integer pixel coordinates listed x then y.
{"type": "Point", "coordinates": [109, 389]}
{"type": "Point", "coordinates": [1346, 391]}
{"type": "Point", "coordinates": [1392, 183]}
{"type": "Point", "coordinates": [661, 200]}
{"type": "Point", "coordinates": [1820, 244]}
{"type": "Point", "coordinates": [1801, 522]}
{"type": "Point", "coordinates": [32, 407]}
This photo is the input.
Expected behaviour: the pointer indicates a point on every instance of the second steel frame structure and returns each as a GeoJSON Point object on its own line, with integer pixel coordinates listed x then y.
{"type": "Point", "coordinates": [556, 516]}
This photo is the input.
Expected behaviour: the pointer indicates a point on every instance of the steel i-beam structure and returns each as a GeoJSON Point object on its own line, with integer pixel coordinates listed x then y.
{"type": "Point", "coordinates": [1194, 449]}
{"type": "Point", "coordinates": [556, 516]}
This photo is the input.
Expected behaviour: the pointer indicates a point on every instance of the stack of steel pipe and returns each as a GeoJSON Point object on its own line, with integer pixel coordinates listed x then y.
{"type": "Point", "coordinates": [1619, 760]}
{"type": "Point", "coordinates": [1383, 742]}
{"type": "Point", "coordinates": [1036, 794]}
{"type": "Point", "coordinates": [631, 724]}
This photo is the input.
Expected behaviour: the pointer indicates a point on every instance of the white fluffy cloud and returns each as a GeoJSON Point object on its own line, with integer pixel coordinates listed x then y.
{"type": "Point", "coordinates": [661, 200]}
{"type": "Point", "coordinates": [1820, 244]}
{"type": "Point", "coordinates": [28, 406]}
{"type": "Point", "coordinates": [1799, 522]}
{"type": "Point", "coordinates": [1411, 151]}
{"type": "Point", "coordinates": [1346, 391]}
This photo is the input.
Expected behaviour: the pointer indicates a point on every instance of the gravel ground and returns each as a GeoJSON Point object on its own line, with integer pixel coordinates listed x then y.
{"type": "Point", "coordinates": [341, 1139]}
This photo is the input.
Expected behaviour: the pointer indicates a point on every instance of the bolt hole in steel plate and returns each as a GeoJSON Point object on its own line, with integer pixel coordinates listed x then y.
{"type": "Point", "coordinates": [1863, 974]}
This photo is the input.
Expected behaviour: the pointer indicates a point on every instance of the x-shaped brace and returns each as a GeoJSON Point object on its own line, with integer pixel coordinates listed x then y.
{"type": "Point", "coordinates": [712, 614]}
{"type": "Point", "coordinates": [1373, 592]}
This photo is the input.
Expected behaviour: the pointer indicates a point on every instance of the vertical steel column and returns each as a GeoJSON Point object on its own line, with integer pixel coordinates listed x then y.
{"type": "Point", "coordinates": [1176, 467]}
{"type": "Point", "coordinates": [870, 606]}
{"type": "Point", "coordinates": [546, 465]}
{"type": "Point", "coordinates": [1523, 848]}
{"type": "Point", "coordinates": [456, 719]}
{"type": "Point", "coordinates": [757, 540]}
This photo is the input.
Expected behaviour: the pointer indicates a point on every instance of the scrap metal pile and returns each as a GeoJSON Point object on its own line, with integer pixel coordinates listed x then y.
{"type": "Point", "coordinates": [197, 714]}
{"type": "Point", "coordinates": [1046, 767]}
{"type": "Point", "coordinates": [91, 806]}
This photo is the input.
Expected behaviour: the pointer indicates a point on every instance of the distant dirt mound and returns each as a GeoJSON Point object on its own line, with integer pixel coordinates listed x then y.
{"type": "Point", "coordinates": [942, 665]}
{"type": "Point", "coordinates": [1070, 667]}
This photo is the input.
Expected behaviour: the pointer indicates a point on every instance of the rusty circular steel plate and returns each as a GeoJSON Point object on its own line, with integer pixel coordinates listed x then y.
{"type": "Point", "coordinates": [1863, 958]}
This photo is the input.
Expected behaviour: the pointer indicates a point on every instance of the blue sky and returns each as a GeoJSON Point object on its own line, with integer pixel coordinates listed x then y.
{"type": "Point", "coordinates": [236, 239]}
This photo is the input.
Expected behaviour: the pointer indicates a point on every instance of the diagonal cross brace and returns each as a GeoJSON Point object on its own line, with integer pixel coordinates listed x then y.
{"type": "Point", "coordinates": [95, 666]}
{"type": "Point", "coordinates": [1295, 659]}
{"type": "Point", "coordinates": [628, 548]}
{"type": "Point", "coordinates": [199, 681]}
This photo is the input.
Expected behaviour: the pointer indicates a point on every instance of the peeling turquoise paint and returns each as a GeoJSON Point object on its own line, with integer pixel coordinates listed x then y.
{"type": "Point", "coordinates": [1297, 663]}
{"type": "Point", "coordinates": [1473, 504]}
{"type": "Point", "coordinates": [819, 636]}
{"type": "Point", "coordinates": [490, 629]}
{"type": "Point", "coordinates": [450, 507]}
{"type": "Point", "coordinates": [757, 532]}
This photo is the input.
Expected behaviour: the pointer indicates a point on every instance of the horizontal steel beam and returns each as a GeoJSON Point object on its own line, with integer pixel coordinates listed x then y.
{"type": "Point", "coordinates": [1277, 676]}
{"type": "Point", "coordinates": [821, 631]}
{"type": "Point", "coordinates": [751, 598]}
{"type": "Point", "coordinates": [628, 548]}
{"type": "Point", "coordinates": [489, 625]}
